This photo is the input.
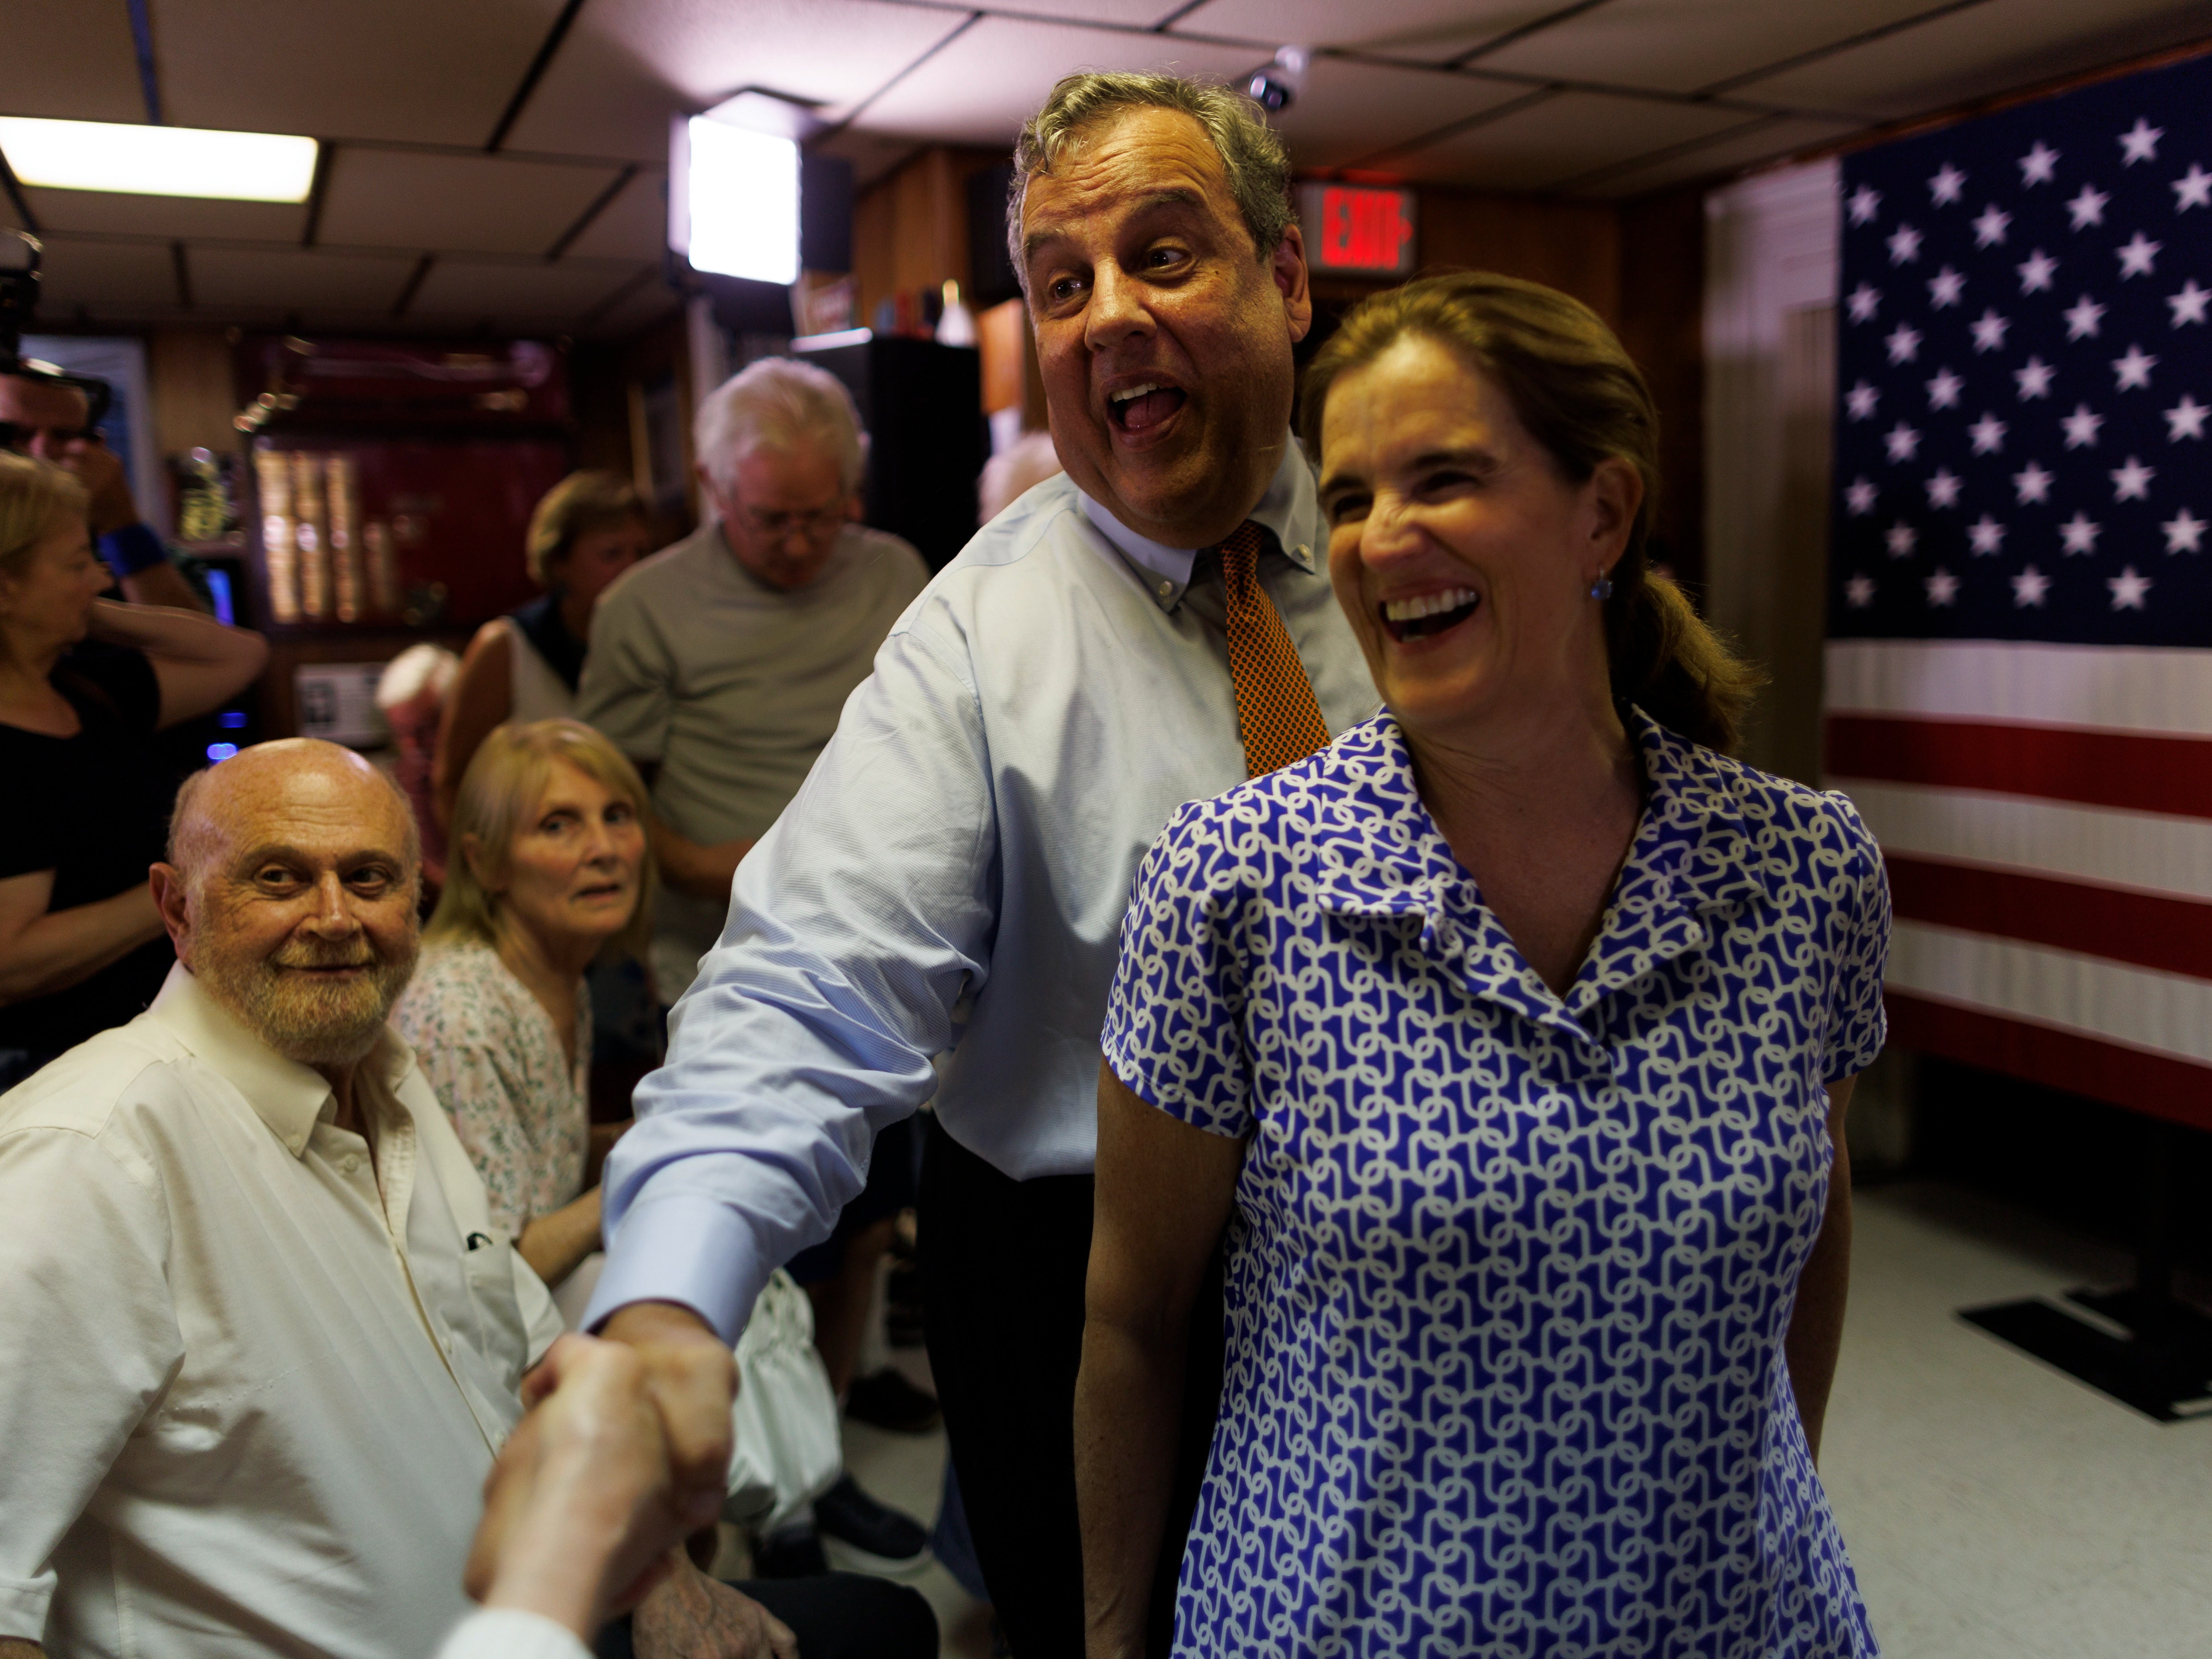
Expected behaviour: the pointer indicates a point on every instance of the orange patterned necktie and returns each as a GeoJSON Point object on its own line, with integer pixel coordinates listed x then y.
{"type": "Point", "coordinates": [1275, 707]}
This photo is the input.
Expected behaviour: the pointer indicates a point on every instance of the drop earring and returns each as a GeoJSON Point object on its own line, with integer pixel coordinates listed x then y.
{"type": "Point", "coordinates": [1601, 589]}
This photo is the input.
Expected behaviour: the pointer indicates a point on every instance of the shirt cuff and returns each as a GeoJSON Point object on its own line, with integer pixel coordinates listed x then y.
{"type": "Point", "coordinates": [23, 1605]}
{"type": "Point", "coordinates": [511, 1633]}
{"type": "Point", "coordinates": [683, 1248]}
{"type": "Point", "coordinates": [132, 549]}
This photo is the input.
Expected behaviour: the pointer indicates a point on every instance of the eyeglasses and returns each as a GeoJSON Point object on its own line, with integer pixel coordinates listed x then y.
{"type": "Point", "coordinates": [814, 526]}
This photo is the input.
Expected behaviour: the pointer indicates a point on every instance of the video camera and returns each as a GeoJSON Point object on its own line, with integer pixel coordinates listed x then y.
{"type": "Point", "coordinates": [21, 257]}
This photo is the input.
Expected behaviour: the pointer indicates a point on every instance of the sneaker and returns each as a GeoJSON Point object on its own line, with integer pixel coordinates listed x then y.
{"type": "Point", "coordinates": [885, 1400]}
{"type": "Point", "coordinates": [872, 1529]}
{"type": "Point", "coordinates": [793, 1552]}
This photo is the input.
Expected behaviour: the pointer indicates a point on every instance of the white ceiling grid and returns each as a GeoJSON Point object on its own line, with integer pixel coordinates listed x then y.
{"type": "Point", "coordinates": [501, 164]}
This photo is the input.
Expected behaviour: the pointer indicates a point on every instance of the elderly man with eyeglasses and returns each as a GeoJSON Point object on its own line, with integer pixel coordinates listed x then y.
{"type": "Point", "coordinates": [720, 666]}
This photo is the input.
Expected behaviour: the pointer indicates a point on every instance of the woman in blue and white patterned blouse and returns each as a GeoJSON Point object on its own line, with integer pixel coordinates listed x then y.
{"type": "Point", "coordinates": [1507, 1041]}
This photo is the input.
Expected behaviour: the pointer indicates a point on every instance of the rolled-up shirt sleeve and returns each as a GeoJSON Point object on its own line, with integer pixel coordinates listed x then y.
{"type": "Point", "coordinates": [856, 926]}
{"type": "Point", "coordinates": [92, 1344]}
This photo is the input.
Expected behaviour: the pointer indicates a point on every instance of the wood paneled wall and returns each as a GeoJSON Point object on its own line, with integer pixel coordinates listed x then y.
{"type": "Point", "coordinates": [910, 227]}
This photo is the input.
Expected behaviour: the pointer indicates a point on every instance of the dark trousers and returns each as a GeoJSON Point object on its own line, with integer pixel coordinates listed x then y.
{"type": "Point", "coordinates": [835, 1615]}
{"type": "Point", "coordinates": [1003, 1265]}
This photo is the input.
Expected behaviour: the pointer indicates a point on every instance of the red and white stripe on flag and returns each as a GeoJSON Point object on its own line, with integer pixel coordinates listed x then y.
{"type": "Point", "coordinates": [2045, 812]}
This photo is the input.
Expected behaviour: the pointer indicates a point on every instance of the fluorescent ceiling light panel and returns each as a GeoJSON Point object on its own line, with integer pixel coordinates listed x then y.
{"type": "Point", "coordinates": [742, 192]}
{"type": "Point", "coordinates": [241, 167]}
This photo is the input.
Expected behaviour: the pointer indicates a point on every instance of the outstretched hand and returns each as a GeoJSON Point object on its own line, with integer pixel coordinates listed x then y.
{"type": "Point", "coordinates": [692, 1377]}
{"type": "Point", "coordinates": [579, 1508]}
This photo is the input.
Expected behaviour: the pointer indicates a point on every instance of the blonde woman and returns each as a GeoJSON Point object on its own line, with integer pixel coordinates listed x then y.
{"type": "Point", "coordinates": [587, 530]}
{"type": "Point", "coordinates": [549, 867]}
{"type": "Point", "coordinates": [84, 685]}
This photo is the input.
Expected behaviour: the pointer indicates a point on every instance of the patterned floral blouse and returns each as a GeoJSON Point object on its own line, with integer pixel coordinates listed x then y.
{"type": "Point", "coordinates": [1509, 1271]}
{"type": "Point", "coordinates": [491, 1052]}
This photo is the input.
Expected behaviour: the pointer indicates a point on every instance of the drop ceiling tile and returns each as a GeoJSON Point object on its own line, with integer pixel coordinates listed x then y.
{"type": "Point", "coordinates": [424, 71]}
{"type": "Point", "coordinates": [463, 288]}
{"type": "Point", "coordinates": [106, 275]}
{"type": "Point", "coordinates": [306, 279]}
{"type": "Point", "coordinates": [1349, 111]}
{"type": "Point", "coordinates": [1754, 142]}
{"type": "Point", "coordinates": [453, 204]}
{"type": "Point", "coordinates": [646, 306]}
{"type": "Point", "coordinates": [625, 68]}
{"type": "Point", "coordinates": [1420, 31]}
{"type": "Point", "coordinates": [983, 86]}
{"type": "Point", "coordinates": [1988, 49]}
{"type": "Point", "coordinates": [634, 226]}
{"type": "Point", "coordinates": [1680, 46]}
{"type": "Point", "coordinates": [69, 61]}
{"type": "Point", "coordinates": [1559, 138]}
{"type": "Point", "coordinates": [115, 213]}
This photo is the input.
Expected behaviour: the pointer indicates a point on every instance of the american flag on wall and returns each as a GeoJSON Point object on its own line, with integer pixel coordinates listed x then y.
{"type": "Point", "coordinates": [2020, 653]}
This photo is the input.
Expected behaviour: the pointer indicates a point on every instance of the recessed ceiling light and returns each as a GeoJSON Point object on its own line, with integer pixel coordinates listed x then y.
{"type": "Point", "coordinates": [244, 167]}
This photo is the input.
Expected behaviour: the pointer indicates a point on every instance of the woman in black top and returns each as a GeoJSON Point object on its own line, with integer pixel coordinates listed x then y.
{"type": "Point", "coordinates": [84, 683]}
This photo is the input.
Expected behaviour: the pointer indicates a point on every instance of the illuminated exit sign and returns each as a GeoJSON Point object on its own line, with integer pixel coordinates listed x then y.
{"type": "Point", "coordinates": [1357, 230]}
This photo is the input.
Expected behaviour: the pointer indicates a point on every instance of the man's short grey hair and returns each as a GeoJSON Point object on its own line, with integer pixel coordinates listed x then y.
{"type": "Point", "coordinates": [1251, 154]}
{"type": "Point", "coordinates": [779, 402]}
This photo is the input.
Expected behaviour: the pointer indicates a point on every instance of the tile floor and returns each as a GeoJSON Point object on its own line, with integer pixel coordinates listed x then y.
{"type": "Point", "coordinates": [1995, 1508]}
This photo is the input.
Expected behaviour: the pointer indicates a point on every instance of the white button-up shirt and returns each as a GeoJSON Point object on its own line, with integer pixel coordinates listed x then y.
{"type": "Point", "coordinates": [251, 1376]}
{"type": "Point", "coordinates": [953, 875]}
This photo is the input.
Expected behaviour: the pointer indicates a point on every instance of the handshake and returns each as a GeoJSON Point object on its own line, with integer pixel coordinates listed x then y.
{"type": "Point", "coordinates": [622, 1456]}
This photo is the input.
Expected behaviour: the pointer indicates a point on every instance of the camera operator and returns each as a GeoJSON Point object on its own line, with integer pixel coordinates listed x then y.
{"type": "Point", "coordinates": [50, 418]}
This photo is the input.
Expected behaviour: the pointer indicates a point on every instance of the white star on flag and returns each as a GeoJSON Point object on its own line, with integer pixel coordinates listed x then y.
{"type": "Point", "coordinates": [1859, 400]}
{"type": "Point", "coordinates": [1988, 433]}
{"type": "Point", "coordinates": [1902, 538]}
{"type": "Point", "coordinates": [2036, 272]}
{"type": "Point", "coordinates": [1943, 488]}
{"type": "Point", "coordinates": [2192, 189]}
{"type": "Point", "coordinates": [1903, 441]}
{"type": "Point", "coordinates": [2138, 255]}
{"type": "Point", "coordinates": [2083, 318]}
{"type": "Point", "coordinates": [2132, 481]}
{"type": "Point", "coordinates": [2029, 587]}
{"type": "Point", "coordinates": [1858, 592]}
{"type": "Point", "coordinates": [1903, 246]}
{"type": "Point", "coordinates": [1859, 494]}
{"type": "Point", "coordinates": [2186, 419]}
{"type": "Point", "coordinates": [2128, 589]}
{"type": "Point", "coordinates": [2082, 427]}
{"type": "Point", "coordinates": [2079, 535]}
{"type": "Point", "coordinates": [2188, 306]}
{"type": "Point", "coordinates": [1903, 343]}
{"type": "Point", "coordinates": [1864, 302]}
{"type": "Point", "coordinates": [1989, 331]}
{"type": "Point", "coordinates": [1947, 183]}
{"type": "Point", "coordinates": [1945, 289]}
{"type": "Point", "coordinates": [1866, 202]}
{"type": "Point", "coordinates": [2032, 483]}
{"type": "Point", "coordinates": [1943, 587]}
{"type": "Point", "coordinates": [2134, 369]}
{"type": "Point", "coordinates": [2140, 143]}
{"type": "Point", "coordinates": [1990, 228]}
{"type": "Point", "coordinates": [2039, 165]}
{"type": "Point", "coordinates": [1986, 536]}
{"type": "Point", "coordinates": [2184, 533]}
{"type": "Point", "coordinates": [2035, 378]}
{"type": "Point", "coordinates": [1943, 390]}
{"type": "Point", "coordinates": [2089, 208]}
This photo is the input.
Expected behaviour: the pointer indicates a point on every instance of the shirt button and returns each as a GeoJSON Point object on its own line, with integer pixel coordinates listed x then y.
{"type": "Point", "coordinates": [350, 1164]}
{"type": "Point", "coordinates": [1166, 588]}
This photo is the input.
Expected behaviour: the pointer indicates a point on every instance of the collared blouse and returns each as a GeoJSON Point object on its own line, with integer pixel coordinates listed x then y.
{"type": "Point", "coordinates": [1509, 1272]}
{"type": "Point", "coordinates": [491, 1052]}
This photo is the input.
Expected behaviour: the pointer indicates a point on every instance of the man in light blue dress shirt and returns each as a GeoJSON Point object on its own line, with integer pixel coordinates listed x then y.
{"type": "Point", "coordinates": [936, 914]}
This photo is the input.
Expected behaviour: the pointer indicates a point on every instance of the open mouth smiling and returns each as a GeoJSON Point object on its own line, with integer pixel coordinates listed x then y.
{"type": "Point", "coordinates": [1428, 614]}
{"type": "Point", "coordinates": [1138, 408]}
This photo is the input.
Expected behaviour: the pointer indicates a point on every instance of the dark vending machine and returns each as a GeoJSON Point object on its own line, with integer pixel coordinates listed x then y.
{"type": "Point", "coordinates": [392, 484]}
{"type": "Point", "coordinates": [922, 404]}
